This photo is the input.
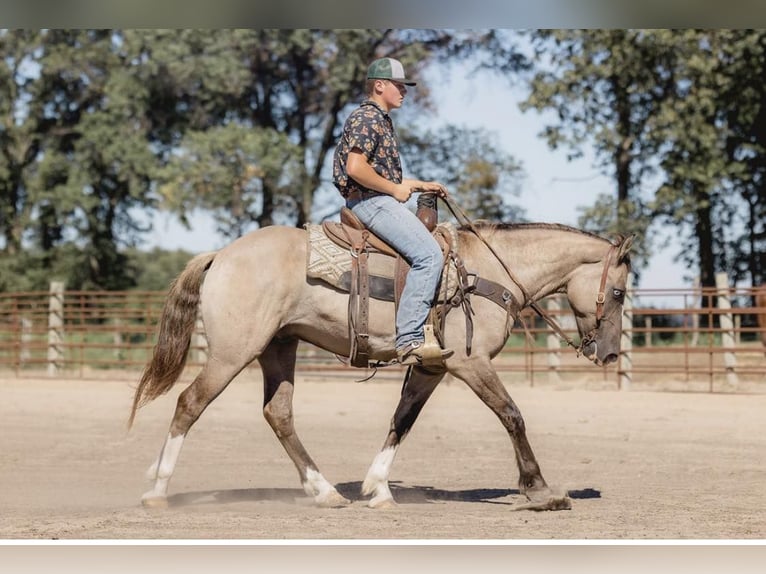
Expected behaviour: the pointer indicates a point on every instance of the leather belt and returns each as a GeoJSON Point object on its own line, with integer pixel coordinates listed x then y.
{"type": "Point", "coordinates": [359, 195]}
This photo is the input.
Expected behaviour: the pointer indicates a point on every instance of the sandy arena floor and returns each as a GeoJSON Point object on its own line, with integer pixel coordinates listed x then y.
{"type": "Point", "coordinates": [638, 465]}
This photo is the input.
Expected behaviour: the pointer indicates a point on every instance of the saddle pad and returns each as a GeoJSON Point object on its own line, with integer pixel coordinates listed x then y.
{"type": "Point", "coordinates": [331, 263]}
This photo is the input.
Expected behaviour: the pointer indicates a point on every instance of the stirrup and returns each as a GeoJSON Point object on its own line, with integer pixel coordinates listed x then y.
{"type": "Point", "coordinates": [428, 353]}
{"type": "Point", "coordinates": [425, 356]}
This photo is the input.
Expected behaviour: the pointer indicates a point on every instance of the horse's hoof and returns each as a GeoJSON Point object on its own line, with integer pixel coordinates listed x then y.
{"type": "Point", "coordinates": [550, 502]}
{"type": "Point", "coordinates": [159, 502]}
{"type": "Point", "coordinates": [333, 500]}
{"type": "Point", "coordinates": [382, 503]}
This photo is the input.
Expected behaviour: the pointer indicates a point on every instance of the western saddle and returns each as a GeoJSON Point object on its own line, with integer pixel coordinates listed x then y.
{"type": "Point", "coordinates": [352, 234]}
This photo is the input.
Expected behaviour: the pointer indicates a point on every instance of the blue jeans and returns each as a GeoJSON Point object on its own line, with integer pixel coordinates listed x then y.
{"type": "Point", "coordinates": [395, 224]}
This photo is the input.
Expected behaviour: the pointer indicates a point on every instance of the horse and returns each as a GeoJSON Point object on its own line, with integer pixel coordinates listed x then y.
{"type": "Point", "coordinates": [256, 303]}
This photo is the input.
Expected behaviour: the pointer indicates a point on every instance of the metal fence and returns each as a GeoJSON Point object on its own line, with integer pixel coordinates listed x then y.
{"type": "Point", "coordinates": [708, 337]}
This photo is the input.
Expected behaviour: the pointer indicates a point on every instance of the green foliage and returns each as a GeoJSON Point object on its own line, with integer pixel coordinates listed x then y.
{"type": "Point", "coordinates": [237, 173]}
{"type": "Point", "coordinates": [34, 269]}
{"type": "Point", "coordinates": [85, 161]}
{"type": "Point", "coordinates": [96, 125]}
{"type": "Point", "coordinates": [156, 269]}
{"type": "Point", "coordinates": [678, 117]}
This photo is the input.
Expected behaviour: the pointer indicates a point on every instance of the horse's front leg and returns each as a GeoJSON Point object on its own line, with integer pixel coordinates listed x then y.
{"type": "Point", "coordinates": [417, 388]}
{"type": "Point", "coordinates": [479, 374]}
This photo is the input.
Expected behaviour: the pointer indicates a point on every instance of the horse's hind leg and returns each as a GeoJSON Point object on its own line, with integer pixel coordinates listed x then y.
{"type": "Point", "coordinates": [208, 384]}
{"type": "Point", "coordinates": [278, 366]}
{"type": "Point", "coordinates": [482, 378]}
{"type": "Point", "coordinates": [418, 387]}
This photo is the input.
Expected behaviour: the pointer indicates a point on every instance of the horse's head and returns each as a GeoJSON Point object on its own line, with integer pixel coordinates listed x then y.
{"type": "Point", "coordinates": [596, 293]}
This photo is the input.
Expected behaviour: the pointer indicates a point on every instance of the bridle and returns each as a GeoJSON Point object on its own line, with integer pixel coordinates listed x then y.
{"type": "Point", "coordinates": [600, 301]}
{"type": "Point", "coordinates": [600, 296]}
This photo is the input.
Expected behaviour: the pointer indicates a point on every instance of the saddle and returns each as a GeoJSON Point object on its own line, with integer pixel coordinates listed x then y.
{"type": "Point", "coordinates": [349, 231]}
{"type": "Point", "coordinates": [351, 234]}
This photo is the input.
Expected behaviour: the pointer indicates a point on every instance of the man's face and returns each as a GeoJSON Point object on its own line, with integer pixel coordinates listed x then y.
{"type": "Point", "coordinates": [393, 93]}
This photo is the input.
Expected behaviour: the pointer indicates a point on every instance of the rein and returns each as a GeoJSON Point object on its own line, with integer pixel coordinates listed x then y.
{"type": "Point", "coordinates": [464, 220]}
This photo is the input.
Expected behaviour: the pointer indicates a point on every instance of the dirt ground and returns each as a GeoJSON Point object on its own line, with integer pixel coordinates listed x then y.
{"type": "Point", "coordinates": [638, 465]}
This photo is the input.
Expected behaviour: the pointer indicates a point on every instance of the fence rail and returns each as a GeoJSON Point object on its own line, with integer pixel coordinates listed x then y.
{"type": "Point", "coordinates": [709, 336]}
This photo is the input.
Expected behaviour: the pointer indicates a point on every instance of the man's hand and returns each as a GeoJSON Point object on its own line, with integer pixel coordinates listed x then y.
{"type": "Point", "coordinates": [427, 186]}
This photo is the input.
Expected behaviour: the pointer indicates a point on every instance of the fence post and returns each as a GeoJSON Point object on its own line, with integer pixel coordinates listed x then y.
{"type": "Point", "coordinates": [695, 316]}
{"type": "Point", "coordinates": [26, 338]}
{"type": "Point", "coordinates": [727, 328]}
{"type": "Point", "coordinates": [117, 338]}
{"type": "Point", "coordinates": [55, 326]}
{"type": "Point", "coordinates": [553, 344]}
{"type": "Point", "coordinates": [626, 344]}
{"type": "Point", "coordinates": [648, 331]}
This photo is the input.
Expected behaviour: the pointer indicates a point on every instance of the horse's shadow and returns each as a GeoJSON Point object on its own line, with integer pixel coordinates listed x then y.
{"type": "Point", "coordinates": [353, 492]}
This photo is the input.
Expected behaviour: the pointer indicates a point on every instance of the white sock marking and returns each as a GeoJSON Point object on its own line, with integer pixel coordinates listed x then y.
{"type": "Point", "coordinates": [317, 485]}
{"type": "Point", "coordinates": [376, 481]}
{"type": "Point", "coordinates": [162, 470]}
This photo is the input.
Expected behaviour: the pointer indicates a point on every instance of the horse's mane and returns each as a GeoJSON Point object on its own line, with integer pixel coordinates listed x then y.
{"type": "Point", "coordinates": [492, 226]}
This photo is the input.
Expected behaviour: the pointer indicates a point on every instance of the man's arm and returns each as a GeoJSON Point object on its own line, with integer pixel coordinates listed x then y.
{"type": "Point", "coordinates": [364, 174]}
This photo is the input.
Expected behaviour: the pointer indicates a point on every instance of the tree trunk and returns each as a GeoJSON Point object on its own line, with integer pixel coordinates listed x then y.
{"type": "Point", "coordinates": [703, 231]}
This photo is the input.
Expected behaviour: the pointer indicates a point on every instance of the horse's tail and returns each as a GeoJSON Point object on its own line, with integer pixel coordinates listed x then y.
{"type": "Point", "coordinates": [177, 322]}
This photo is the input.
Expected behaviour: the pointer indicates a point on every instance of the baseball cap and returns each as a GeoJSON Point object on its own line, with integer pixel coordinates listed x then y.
{"type": "Point", "coordinates": [388, 69]}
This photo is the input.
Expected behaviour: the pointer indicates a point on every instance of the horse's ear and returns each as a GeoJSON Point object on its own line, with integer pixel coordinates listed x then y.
{"type": "Point", "coordinates": [623, 247]}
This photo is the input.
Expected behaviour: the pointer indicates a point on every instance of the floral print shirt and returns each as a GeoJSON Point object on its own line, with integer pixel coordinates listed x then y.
{"type": "Point", "coordinates": [370, 130]}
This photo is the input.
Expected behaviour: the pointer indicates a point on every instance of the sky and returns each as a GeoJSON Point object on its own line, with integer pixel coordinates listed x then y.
{"type": "Point", "coordinates": [552, 190]}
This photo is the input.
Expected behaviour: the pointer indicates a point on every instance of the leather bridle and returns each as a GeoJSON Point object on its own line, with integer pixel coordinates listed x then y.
{"type": "Point", "coordinates": [601, 296]}
{"type": "Point", "coordinates": [600, 301]}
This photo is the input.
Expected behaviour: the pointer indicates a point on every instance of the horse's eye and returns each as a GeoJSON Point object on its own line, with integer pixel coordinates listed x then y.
{"type": "Point", "coordinates": [618, 294]}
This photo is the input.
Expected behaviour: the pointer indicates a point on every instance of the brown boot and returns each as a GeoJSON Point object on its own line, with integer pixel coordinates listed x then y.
{"type": "Point", "coordinates": [418, 353]}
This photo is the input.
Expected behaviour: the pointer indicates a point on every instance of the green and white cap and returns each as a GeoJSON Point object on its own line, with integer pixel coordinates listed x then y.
{"type": "Point", "coordinates": [388, 69]}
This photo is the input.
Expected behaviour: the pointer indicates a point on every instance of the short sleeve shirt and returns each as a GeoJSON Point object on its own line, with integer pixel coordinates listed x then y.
{"type": "Point", "coordinates": [370, 130]}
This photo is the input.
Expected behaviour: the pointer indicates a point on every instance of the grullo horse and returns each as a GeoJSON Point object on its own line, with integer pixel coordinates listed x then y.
{"type": "Point", "coordinates": [256, 303]}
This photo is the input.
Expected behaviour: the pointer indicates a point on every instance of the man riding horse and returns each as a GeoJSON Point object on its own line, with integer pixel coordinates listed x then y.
{"type": "Point", "coordinates": [367, 171]}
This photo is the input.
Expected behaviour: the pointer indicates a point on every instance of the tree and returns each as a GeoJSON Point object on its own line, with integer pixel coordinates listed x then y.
{"type": "Point", "coordinates": [682, 108]}
{"type": "Point", "coordinates": [713, 160]}
{"type": "Point", "coordinates": [605, 87]}
{"type": "Point", "coordinates": [742, 100]}
{"type": "Point", "coordinates": [98, 167]}
{"type": "Point", "coordinates": [22, 129]}
{"type": "Point", "coordinates": [234, 172]}
{"type": "Point", "coordinates": [76, 155]}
